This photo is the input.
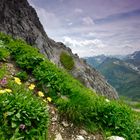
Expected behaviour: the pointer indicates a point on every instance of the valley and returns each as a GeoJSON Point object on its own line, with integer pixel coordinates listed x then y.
{"type": "Point", "coordinates": [122, 74]}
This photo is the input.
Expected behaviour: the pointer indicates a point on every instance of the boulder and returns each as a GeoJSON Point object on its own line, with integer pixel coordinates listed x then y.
{"type": "Point", "coordinates": [115, 138]}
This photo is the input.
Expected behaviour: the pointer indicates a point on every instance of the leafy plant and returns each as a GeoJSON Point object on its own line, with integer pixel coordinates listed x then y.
{"type": "Point", "coordinates": [22, 114]}
{"type": "Point", "coordinates": [26, 57]}
{"type": "Point", "coordinates": [22, 75]}
{"type": "Point", "coordinates": [67, 61]}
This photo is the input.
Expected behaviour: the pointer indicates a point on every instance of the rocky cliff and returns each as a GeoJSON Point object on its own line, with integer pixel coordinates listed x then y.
{"type": "Point", "coordinates": [19, 19]}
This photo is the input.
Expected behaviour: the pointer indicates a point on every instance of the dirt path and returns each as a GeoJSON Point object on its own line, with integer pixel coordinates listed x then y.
{"type": "Point", "coordinates": [61, 129]}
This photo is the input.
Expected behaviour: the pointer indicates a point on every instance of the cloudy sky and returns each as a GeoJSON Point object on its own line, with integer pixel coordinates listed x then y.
{"type": "Point", "coordinates": [92, 27]}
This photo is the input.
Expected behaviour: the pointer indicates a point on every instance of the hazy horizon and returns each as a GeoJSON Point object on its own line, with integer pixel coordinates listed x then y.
{"type": "Point", "coordinates": [92, 27]}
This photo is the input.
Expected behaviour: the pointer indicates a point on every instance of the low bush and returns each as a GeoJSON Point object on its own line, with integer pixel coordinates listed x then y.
{"type": "Point", "coordinates": [22, 114]}
{"type": "Point", "coordinates": [26, 57]}
{"type": "Point", "coordinates": [67, 61]}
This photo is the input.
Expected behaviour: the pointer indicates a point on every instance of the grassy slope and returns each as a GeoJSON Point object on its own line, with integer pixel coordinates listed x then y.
{"type": "Point", "coordinates": [23, 115]}
{"type": "Point", "coordinates": [75, 102]}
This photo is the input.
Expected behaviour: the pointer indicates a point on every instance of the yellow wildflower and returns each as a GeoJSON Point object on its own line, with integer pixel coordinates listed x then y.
{"type": "Point", "coordinates": [2, 91]}
{"type": "Point", "coordinates": [8, 90]}
{"type": "Point", "coordinates": [5, 90]}
{"type": "Point", "coordinates": [17, 80]}
{"type": "Point", "coordinates": [32, 86]}
{"type": "Point", "coordinates": [49, 99]}
{"type": "Point", "coordinates": [107, 100]}
{"type": "Point", "coordinates": [40, 93]}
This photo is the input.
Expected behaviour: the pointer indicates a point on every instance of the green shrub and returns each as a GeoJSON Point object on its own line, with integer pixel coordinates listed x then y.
{"type": "Point", "coordinates": [28, 62]}
{"type": "Point", "coordinates": [26, 57]}
{"type": "Point", "coordinates": [22, 114]}
{"type": "Point", "coordinates": [67, 61]}
{"type": "Point", "coordinates": [22, 75]}
{"type": "Point", "coordinates": [1, 43]}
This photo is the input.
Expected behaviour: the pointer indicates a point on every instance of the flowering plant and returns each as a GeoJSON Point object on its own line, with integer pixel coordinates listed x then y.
{"type": "Point", "coordinates": [32, 86]}
{"type": "Point", "coordinates": [17, 80]}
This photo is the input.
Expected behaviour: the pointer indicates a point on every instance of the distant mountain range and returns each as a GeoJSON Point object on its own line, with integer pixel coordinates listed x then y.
{"type": "Point", "coordinates": [134, 59]}
{"type": "Point", "coordinates": [122, 72]}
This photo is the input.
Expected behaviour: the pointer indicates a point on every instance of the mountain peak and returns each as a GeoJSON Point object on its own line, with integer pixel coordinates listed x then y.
{"type": "Point", "coordinates": [20, 20]}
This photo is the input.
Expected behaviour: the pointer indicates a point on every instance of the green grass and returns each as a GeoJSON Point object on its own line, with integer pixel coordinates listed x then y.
{"type": "Point", "coordinates": [2, 71]}
{"type": "Point", "coordinates": [131, 103]}
{"type": "Point", "coordinates": [74, 101]}
{"type": "Point", "coordinates": [23, 115]}
{"type": "Point", "coordinates": [22, 108]}
{"type": "Point", "coordinates": [136, 105]}
{"type": "Point", "coordinates": [4, 54]}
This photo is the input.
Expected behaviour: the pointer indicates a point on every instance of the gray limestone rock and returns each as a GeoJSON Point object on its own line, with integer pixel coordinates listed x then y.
{"type": "Point", "coordinates": [80, 138]}
{"type": "Point", "coordinates": [115, 138]}
{"type": "Point", "coordinates": [83, 132]}
{"type": "Point", "coordinates": [58, 137]}
{"type": "Point", "coordinates": [65, 124]}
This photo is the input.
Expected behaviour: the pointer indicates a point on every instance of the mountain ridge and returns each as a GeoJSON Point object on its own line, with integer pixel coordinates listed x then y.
{"type": "Point", "coordinates": [20, 20]}
{"type": "Point", "coordinates": [134, 59]}
{"type": "Point", "coordinates": [123, 74]}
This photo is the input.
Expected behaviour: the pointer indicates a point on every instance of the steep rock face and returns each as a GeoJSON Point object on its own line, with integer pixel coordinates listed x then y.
{"type": "Point", "coordinates": [19, 19]}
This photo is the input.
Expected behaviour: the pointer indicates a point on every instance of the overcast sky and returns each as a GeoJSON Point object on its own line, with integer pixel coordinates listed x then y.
{"type": "Point", "coordinates": [92, 27]}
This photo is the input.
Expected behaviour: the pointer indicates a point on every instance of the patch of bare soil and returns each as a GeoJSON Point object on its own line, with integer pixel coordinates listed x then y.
{"type": "Point", "coordinates": [60, 129]}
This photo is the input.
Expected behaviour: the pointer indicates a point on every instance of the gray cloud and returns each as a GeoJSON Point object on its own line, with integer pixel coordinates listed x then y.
{"type": "Point", "coordinates": [80, 23]}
